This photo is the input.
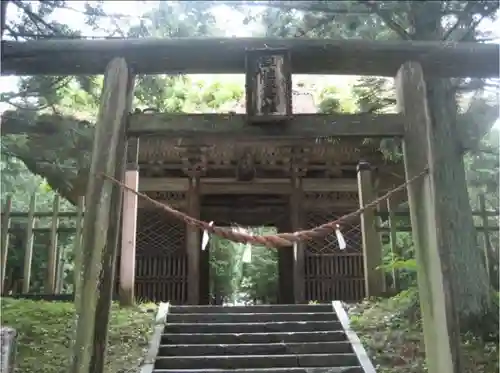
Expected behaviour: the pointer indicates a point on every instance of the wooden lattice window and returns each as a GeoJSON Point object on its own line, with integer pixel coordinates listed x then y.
{"type": "Point", "coordinates": [351, 231]}
{"type": "Point", "coordinates": [158, 233]}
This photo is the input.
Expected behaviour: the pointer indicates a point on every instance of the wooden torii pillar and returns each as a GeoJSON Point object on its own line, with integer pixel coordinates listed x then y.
{"type": "Point", "coordinates": [422, 148]}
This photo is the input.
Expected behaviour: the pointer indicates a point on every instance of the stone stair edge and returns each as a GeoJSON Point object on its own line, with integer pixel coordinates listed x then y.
{"type": "Point", "coordinates": [263, 323]}
{"type": "Point", "coordinates": [263, 333]}
{"type": "Point", "coordinates": [346, 369]}
{"type": "Point", "coordinates": [252, 344]}
{"type": "Point", "coordinates": [239, 357]}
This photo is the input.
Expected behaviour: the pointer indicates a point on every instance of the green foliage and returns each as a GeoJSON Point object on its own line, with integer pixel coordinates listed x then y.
{"type": "Point", "coordinates": [391, 332]}
{"type": "Point", "coordinates": [45, 332]}
{"type": "Point", "coordinates": [231, 280]}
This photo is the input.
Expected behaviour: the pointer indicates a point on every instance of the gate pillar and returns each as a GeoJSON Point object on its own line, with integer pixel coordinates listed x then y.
{"type": "Point", "coordinates": [129, 232]}
{"type": "Point", "coordinates": [194, 160]}
{"type": "Point", "coordinates": [297, 222]}
{"type": "Point", "coordinates": [372, 248]}
{"type": "Point", "coordinates": [193, 241]}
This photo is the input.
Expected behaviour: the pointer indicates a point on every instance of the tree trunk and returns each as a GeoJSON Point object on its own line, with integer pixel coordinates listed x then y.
{"type": "Point", "coordinates": [3, 15]}
{"type": "Point", "coordinates": [470, 285]}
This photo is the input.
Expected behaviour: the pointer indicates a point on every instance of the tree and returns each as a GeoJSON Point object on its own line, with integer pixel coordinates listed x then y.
{"type": "Point", "coordinates": [453, 20]}
{"type": "Point", "coordinates": [44, 104]}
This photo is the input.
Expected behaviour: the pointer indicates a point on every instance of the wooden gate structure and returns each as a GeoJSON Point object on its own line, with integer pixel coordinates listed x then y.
{"type": "Point", "coordinates": [200, 144]}
{"type": "Point", "coordinates": [251, 184]}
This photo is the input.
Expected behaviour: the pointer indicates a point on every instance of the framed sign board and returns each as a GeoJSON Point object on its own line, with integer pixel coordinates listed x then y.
{"type": "Point", "coordinates": [268, 85]}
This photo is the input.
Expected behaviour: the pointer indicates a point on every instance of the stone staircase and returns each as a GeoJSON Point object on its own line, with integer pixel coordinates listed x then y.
{"type": "Point", "coordinates": [256, 339]}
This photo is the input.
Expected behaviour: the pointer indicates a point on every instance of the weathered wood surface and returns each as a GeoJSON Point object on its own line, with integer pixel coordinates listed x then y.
{"type": "Point", "coordinates": [224, 127]}
{"type": "Point", "coordinates": [227, 55]}
{"type": "Point", "coordinates": [127, 271]}
{"type": "Point", "coordinates": [98, 202]}
{"type": "Point", "coordinates": [429, 220]}
{"type": "Point", "coordinates": [297, 223]}
{"type": "Point", "coordinates": [4, 240]}
{"type": "Point", "coordinates": [107, 276]}
{"type": "Point", "coordinates": [372, 250]}
{"type": "Point", "coordinates": [28, 248]}
{"type": "Point", "coordinates": [77, 243]}
{"type": "Point", "coordinates": [8, 337]}
{"type": "Point", "coordinates": [393, 229]}
{"type": "Point", "coordinates": [193, 241]}
{"type": "Point", "coordinates": [268, 85]}
{"type": "Point", "coordinates": [129, 238]}
{"type": "Point", "coordinates": [257, 186]}
{"type": "Point", "coordinates": [52, 260]}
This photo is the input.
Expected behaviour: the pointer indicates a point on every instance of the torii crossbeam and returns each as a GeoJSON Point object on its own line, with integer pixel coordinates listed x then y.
{"type": "Point", "coordinates": [227, 55]}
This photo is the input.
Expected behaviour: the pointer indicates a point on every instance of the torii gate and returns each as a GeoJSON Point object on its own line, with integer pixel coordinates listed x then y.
{"type": "Point", "coordinates": [407, 61]}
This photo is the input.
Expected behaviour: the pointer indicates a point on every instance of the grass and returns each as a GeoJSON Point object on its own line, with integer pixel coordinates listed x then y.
{"type": "Point", "coordinates": [45, 331]}
{"type": "Point", "coordinates": [394, 339]}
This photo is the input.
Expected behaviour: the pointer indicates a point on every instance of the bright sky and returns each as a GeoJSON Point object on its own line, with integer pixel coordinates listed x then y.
{"type": "Point", "coordinates": [231, 20]}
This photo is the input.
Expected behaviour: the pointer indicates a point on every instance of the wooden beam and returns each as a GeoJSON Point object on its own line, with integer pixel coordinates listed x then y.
{"type": "Point", "coordinates": [113, 244]}
{"type": "Point", "coordinates": [128, 240]}
{"type": "Point", "coordinates": [227, 56]}
{"type": "Point", "coordinates": [297, 217]}
{"type": "Point", "coordinates": [193, 242]}
{"type": "Point", "coordinates": [258, 186]}
{"type": "Point", "coordinates": [372, 249]}
{"type": "Point", "coordinates": [430, 221]}
{"type": "Point", "coordinates": [234, 126]}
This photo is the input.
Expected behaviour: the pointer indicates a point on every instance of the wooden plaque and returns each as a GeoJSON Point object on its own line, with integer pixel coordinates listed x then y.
{"type": "Point", "coordinates": [268, 85]}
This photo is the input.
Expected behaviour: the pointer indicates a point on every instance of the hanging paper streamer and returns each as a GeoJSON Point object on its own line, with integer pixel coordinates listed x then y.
{"type": "Point", "coordinates": [247, 251]}
{"type": "Point", "coordinates": [205, 238]}
{"type": "Point", "coordinates": [340, 238]}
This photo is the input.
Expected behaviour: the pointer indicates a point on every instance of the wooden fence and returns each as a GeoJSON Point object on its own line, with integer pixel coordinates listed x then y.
{"type": "Point", "coordinates": [31, 221]}
{"type": "Point", "coordinates": [393, 221]}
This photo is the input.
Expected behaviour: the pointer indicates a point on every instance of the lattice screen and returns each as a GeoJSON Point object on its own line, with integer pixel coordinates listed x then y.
{"type": "Point", "coordinates": [351, 231]}
{"type": "Point", "coordinates": [331, 273]}
{"type": "Point", "coordinates": [161, 265]}
{"type": "Point", "coordinates": [158, 233]}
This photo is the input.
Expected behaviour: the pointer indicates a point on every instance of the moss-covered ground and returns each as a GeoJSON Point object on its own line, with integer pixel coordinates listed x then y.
{"type": "Point", "coordinates": [45, 331]}
{"type": "Point", "coordinates": [391, 332]}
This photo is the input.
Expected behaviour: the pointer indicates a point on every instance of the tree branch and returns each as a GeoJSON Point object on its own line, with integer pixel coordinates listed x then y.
{"type": "Point", "coordinates": [35, 18]}
{"type": "Point", "coordinates": [321, 23]}
{"type": "Point", "coordinates": [461, 18]}
{"type": "Point", "coordinates": [387, 18]}
{"type": "Point", "coordinates": [305, 6]}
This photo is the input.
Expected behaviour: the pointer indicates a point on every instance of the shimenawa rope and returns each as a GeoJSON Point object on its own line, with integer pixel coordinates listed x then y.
{"type": "Point", "coordinates": [272, 240]}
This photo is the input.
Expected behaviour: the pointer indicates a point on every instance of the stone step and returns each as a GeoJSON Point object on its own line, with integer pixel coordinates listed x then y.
{"type": "Point", "coordinates": [249, 317]}
{"type": "Point", "coordinates": [275, 308]}
{"type": "Point", "coordinates": [238, 338]}
{"type": "Point", "coordinates": [275, 327]}
{"type": "Point", "coordinates": [255, 361]}
{"type": "Point", "coordinates": [256, 349]}
{"type": "Point", "coordinates": [351, 369]}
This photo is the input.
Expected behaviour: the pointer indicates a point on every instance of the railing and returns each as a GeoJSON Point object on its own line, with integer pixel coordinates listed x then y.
{"type": "Point", "coordinates": [486, 224]}
{"type": "Point", "coordinates": [324, 264]}
{"type": "Point", "coordinates": [29, 225]}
